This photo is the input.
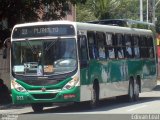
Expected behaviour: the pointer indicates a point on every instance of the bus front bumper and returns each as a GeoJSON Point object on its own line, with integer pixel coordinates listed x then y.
{"type": "Point", "coordinates": [62, 96]}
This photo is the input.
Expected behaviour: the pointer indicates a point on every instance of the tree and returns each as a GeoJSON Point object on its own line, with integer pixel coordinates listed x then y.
{"type": "Point", "coordinates": [18, 11]}
{"type": "Point", "coordinates": [128, 9]}
{"type": "Point", "coordinates": [106, 9]}
{"type": "Point", "coordinates": [111, 9]}
{"type": "Point", "coordinates": [84, 12]}
{"type": "Point", "coordinates": [117, 9]}
{"type": "Point", "coordinates": [158, 18]}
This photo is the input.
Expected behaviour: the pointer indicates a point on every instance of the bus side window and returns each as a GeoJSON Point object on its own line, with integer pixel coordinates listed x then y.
{"type": "Point", "coordinates": [143, 49]}
{"type": "Point", "coordinates": [128, 44]}
{"type": "Point", "coordinates": [110, 46]}
{"type": "Point", "coordinates": [136, 47]}
{"type": "Point", "coordinates": [83, 52]}
{"type": "Point", "coordinates": [150, 47]}
{"type": "Point", "coordinates": [100, 37]}
{"type": "Point", "coordinates": [120, 49]}
{"type": "Point", "coordinates": [93, 52]}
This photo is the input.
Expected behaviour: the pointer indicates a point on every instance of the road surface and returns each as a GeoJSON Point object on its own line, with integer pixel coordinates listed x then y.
{"type": "Point", "coordinates": [149, 103]}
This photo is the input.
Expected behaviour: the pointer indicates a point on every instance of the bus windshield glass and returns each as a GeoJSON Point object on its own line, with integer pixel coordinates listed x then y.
{"type": "Point", "coordinates": [44, 57]}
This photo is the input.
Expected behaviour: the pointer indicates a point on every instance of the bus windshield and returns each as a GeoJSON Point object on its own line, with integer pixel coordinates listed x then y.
{"type": "Point", "coordinates": [44, 57]}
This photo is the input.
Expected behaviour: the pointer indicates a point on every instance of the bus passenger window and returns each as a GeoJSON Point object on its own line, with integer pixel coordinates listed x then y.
{"type": "Point", "coordinates": [111, 52]}
{"type": "Point", "coordinates": [150, 47]}
{"type": "Point", "coordinates": [151, 53]}
{"type": "Point", "coordinates": [108, 39]}
{"type": "Point", "coordinates": [93, 52]}
{"type": "Point", "coordinates": [136, 47]}
{"type": "Point", "coordinates": [136, 52]}
{"type": "Point", "coordinates": [128, 46]}
{"type": "Point", "coordinates": [128, 52]}
{"type": "Point", "coordinates": [143, 47]}
{"type": "Point", "coordinates": [119, 52]}
{"type": "Point", "coordinates": [100, 37]}
{"type": "Point", "coordinates": [110, 46]}
{"type": "Point", "coordinates": [102, 52]}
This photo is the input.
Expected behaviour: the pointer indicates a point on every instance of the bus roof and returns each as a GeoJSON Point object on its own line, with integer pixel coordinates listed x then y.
{"type": "Point", "coordinates": [112, 29]}
{"type": "Point", "coordinates": [120, 22]}
{"type": "Point", "coordinates": [92, 27]}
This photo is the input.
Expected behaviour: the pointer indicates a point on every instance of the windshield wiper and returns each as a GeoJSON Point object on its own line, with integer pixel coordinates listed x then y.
{"type": "Point", "coordinates": [53, 42]}
{"type": "Point", "coordinates": [30, 46]}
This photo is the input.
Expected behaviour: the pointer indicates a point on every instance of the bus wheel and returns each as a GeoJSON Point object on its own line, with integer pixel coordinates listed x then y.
{"type": "Point", "coordinates": [37, 107]}
{"type": "Point", "coordinates": [136, 91]}
{"type": "Point", "coordinates": [131, 92]}
{"type": "Point", "coordinates": [95, 96]}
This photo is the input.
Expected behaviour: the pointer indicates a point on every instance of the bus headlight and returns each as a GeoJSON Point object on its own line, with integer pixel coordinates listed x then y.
{"type": "Point", "coordinates": [17, 86]}
{"type": "Point", "coordinates": [72, 83]}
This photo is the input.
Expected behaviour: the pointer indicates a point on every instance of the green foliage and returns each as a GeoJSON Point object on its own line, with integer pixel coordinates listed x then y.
{"type": "Point", "coordinates": [107, 9]}
{"type": "Point", "coordinates": [18, 11]}
{"type": "Point", "coordinates": [115, 9]}
{"type": "Point", "coordinates": [158, 18]}
{"type": "Point", "coordinates": [85, 12]}
{"type": "Point", "coordinates": [127, 9]}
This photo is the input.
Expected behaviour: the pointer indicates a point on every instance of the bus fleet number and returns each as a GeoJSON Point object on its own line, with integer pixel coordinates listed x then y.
{"type": "Point", "coordinates": [20, 98]}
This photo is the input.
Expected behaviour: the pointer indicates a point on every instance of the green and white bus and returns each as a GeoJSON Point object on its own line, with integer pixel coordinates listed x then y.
{"type": "Point", "coordinates": [63, 62]}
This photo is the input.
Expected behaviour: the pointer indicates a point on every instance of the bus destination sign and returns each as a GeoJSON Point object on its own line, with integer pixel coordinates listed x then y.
{"type": "Point", "coordinates": [43, 30]}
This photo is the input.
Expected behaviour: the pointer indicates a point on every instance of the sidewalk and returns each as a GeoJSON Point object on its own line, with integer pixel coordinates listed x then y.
{"type": "Point", "coordinates": [5, 106]}
{"type": "Point", "coordinates": [11, 106]}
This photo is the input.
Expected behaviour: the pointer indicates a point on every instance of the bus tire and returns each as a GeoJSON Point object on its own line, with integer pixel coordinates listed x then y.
{"type": "Point", "coordinates": [130, 96]}
{"type": "Point", "coordinates": [37, 107]}
{"type": "Point", "coordinates": [136, 91]}
{"type": "Point", "coordinates": [95, 96]}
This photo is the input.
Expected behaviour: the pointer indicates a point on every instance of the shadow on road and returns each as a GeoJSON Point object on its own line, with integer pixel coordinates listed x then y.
{"type": "Point", "coordinates": [105, 105]}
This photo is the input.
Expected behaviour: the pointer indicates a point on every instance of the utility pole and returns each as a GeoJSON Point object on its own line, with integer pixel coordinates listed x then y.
{"type": "Point", "coordinates": [151, 7]}
{"type": "Point", "coordinates": [153, 13]}
{"type": "Point", "coordinates": [154, 9]}
{"type": "Point", "coordinates": [141, 10]}
{"type": "Point", "coordinates": [147, 11]}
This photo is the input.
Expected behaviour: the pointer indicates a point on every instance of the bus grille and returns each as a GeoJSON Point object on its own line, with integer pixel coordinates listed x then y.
{"type": "Point", "coordinates": [44, 96]}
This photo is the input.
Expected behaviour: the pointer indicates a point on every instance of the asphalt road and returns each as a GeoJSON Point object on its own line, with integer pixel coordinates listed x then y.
{"type": "Point", "coordinates": [149, 104]}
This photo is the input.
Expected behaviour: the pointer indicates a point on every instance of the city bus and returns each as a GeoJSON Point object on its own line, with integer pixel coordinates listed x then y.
{"type": "Point", "coordinates": [70, 62]}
